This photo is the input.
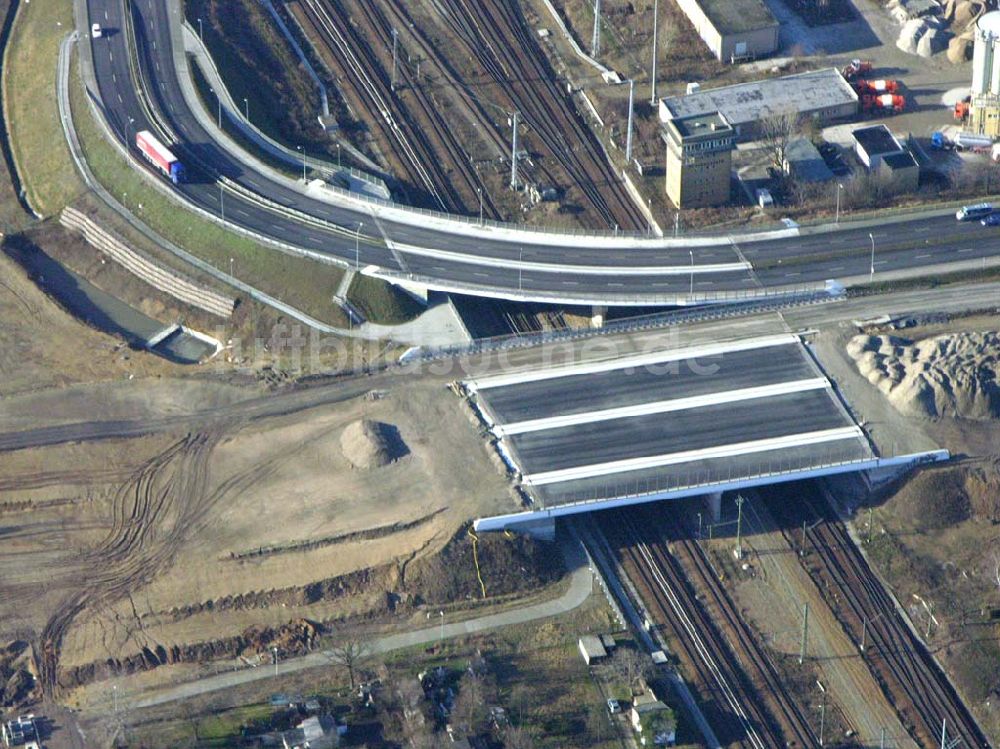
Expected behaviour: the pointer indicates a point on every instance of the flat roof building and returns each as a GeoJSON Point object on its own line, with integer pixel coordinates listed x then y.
{"type": "Point", "coordinates": [699, 160]}
{"type": "Point", "coordinates": [733, 29]}
{"type": "Point", "coordinates": [872, 143]}
{"type": "Point", "coordinates": [804, 162]}
{"type": "Point", "coordinates": [820, 94]}
{"type": "Point", "coordinates": [591, 649]}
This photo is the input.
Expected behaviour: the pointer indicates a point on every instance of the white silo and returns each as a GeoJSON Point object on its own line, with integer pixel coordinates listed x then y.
{"type": "Point", "coordinates": [986, 55]}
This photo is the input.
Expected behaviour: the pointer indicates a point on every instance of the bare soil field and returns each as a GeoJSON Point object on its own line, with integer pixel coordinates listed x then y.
{"type": "Point", "coordinates": [188, 546]}
{"type": "Point", "coordinates": [41, 346]}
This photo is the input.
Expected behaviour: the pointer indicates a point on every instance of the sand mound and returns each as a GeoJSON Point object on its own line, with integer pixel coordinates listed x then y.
{"type": "Point", "coordinates": [947, 375]}
{"type": "Point", "coordinates": [371, 444]}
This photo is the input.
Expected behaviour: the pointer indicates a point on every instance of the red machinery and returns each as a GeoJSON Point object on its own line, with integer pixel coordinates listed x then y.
{"type": "Point", "coordinates": [856, 68]}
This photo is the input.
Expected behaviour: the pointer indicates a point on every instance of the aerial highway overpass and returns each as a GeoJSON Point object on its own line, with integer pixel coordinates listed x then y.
{"type": "Point", "coordinates": [676, 422]}
{"type": "Point", "coordinates": [138, 79]}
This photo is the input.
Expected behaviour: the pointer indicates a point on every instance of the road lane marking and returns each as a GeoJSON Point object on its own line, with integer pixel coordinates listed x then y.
{"type": "Point", "coordinates": [688, 456]}
{"type": "Point", "coordinates": [584, 270]}
{"type": "Point", "coordinates": [661, 407]}
{"type": "Point", "coordinates": [636, 360]}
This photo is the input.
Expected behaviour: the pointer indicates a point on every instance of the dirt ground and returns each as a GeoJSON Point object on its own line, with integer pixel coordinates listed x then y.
{"type": "Point", "coordinates": [190, 537]}
{"type": "Point", "coordinates": [42, 347]}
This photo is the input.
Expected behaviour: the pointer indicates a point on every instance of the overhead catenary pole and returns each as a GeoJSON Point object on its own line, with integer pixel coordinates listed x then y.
{"type": "Point", "coordinates": [656, 24]}
{"type": "Point", "coordinates": [628, 136]}
{"type": "Point", "coordinates": [805, 633]}
{"type": "Point", "coordinates": [739, 525]}
{"type": "Point", "coordinates": [822, 721]}
{"type": "Point", "coordinates": [513, 156]}
{"type": "Point", "coordinates": [395, 38]}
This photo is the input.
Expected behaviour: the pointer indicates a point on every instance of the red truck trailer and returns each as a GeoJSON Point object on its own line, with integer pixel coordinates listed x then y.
{"type": "Point", "coordinates": [159, 156]}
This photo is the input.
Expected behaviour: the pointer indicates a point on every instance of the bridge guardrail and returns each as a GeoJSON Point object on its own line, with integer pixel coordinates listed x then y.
{"type": "Point", "coordinates": [614, 327]}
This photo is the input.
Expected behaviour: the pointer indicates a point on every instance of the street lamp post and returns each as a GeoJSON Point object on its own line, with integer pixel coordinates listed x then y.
{"type": "Point", "coordinates": [246, 107]}
{"type": "Point", "coordinates": [218, 98]}
{"type": "Point", "coordinates": [871, 274]}
{"type": "Point", "coordinates": [201, 31]}
{"type": "Point", "coordinates": [357, 246]}
{"type": "Point", "coordinates": [691, 288]}
{"type": "Point", "coordinates": [275, 651]}
{"type": "Point", "coordinates": [231, 266]}
{"type": "Point", "coordinates": [656, 14]}
{"type": "Point", "coordinates": [338, 156]}
{"type": "Point", "coordinates": [301, 151]}
{"type": "Point", "coordinates": [222, 203]}
{"type": "Point", "coordinates": [840, 187]}
{"type": "Point", "coordinates": [480, 191]}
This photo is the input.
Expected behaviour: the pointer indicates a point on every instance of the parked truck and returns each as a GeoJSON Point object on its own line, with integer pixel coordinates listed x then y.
{"type": "Point", "coordinates": [876, 87]}
{"type": "Point", "coordinates": [883, 104]}
{"type": "Point", "coordinates": [159, 156]}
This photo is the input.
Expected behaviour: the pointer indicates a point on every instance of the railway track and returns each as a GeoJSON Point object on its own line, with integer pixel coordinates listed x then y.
{"type": "Point", "coordinates": [913, 682]}
{"type": "Point", "coordinates": [496, 33]}
{"type": "Point", "coordinates": [464, 183]}
{"type": "Point", "coordinates": [747, 703]}
{"type": "Point", "coordinates": [344, 49]}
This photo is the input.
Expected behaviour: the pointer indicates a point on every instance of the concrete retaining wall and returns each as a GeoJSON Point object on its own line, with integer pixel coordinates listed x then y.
{"type": "Point", "coordinates": [166, 281]}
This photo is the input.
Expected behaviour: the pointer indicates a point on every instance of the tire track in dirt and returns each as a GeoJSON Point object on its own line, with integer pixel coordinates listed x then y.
{"type": "Point", "coordinates": [142, 542]}
{"type": "Point", "coordinates": [165, 502]}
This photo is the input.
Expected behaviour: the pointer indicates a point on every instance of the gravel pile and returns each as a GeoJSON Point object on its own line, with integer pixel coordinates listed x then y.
{"type": "Point", "coordinates": [371, 444]}
{"type": "Point", "coordinates": [947, 375]}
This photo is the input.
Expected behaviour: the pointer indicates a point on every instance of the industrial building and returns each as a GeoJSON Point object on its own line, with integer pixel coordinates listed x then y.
{"type": "Point", "coordinates": [822, 95]}
{"type": "Point", "coordinates": [883, 154]}
{"type": "Point", "coordinates": [699, 160]}
{"type": "Point", "coordinates": [804, 163]}
{"type": "Point", "coordinates": [733, 29]}
{"type": "Point", "coordinates": [984, 107]}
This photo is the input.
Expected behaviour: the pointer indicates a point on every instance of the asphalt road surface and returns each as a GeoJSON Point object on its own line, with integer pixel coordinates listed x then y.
{"type": "Point", "coordinates": [544, 270]}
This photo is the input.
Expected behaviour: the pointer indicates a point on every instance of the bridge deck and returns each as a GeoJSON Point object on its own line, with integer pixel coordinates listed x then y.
{"type": "Point", "coordinates": [674, 419]}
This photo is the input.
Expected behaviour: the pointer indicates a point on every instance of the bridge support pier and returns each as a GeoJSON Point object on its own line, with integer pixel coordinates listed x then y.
{"type": "Point", "coordinates": [597, 314]}
{"type": "Point", "coordinates": [714, 502]}
{"type": "Point", "coordinates": [543, 530]}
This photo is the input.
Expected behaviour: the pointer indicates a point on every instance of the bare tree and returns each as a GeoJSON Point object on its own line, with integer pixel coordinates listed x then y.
{"type": "Point", "coordinates": [350, 653]}
{"type": "Point", "coordinates": [775, 133]}
{"type": "Point", "coordinates": [629, 665]}
{"type": "Point", "coordinates": [469, 711]}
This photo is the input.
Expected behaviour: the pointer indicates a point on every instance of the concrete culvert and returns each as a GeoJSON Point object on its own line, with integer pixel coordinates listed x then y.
{"type": "Point", "coordinates": [371, 444]}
